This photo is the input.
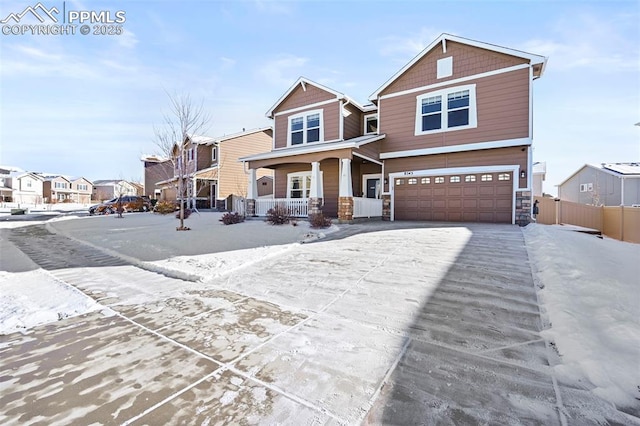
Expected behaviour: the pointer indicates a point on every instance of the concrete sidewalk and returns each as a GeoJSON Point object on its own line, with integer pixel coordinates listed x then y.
{"type": "Point", "coordinates": [434, 325]}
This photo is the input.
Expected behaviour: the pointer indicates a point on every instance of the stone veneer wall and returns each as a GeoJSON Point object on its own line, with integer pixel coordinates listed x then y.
{"type": "Point", "coordinates": [345, 209]}
{"type": "Point", "coordinates": [386, 207]}
{"type": "Point", "coordinates": [523, 208]}
{"type": "Point", "coordinates": [315, 205]}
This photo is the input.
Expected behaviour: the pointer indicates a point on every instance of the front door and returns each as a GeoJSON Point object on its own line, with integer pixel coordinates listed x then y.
{"type": "Point", "coordinates": [373, 187]}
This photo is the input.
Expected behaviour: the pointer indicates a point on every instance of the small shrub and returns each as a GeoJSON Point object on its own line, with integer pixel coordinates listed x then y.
{"type": "Point", "coordinates": [278, 215]}
{"type": "Point", "coordinates": [165, 207]}
{"type": "Point", "coordinates": [318, 220]}
{"type": "Point", "coordinates": [231, 218]}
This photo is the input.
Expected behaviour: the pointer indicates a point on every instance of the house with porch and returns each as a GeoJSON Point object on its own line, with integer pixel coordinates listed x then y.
{"type": "Point", "coordinates": [447, 138]}
{"type": "Point", "coordinates": [213, 174]}
{"type": "Point", "coordinates": [21, 187]}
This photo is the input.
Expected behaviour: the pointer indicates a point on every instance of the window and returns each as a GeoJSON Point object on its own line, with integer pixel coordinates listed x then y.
{"type": "Point", "coordinates": [470, 178]}
{"type": "Point", "coordinates": [399, 181]}
{"type": "Point", "coordinates": [190, 154]}
{"type": "Point", "coordinates": [504, 176]}
{"type": "Point", "coordinates": [454, 179]}
{"type": "Point", "coordinates": [425, 180]}
{"type": "Point", "coordinates": [446, 110]}
{"type": "Point", "coordinates": [214, 154]}
{"type": "Point", "coordinates": [83, 187]}
{"type": "Point", "coordinates": [486, 178]}
{"type": "Point", "coordinates": [412, 181]}
{"type": "Point", "coordinates": [370, 124]}
{"type": "Point", "coordinates": [306, 128]}
{"type": "Point", "coordinates": [28, 183]}
{"type": "Point", "coordinates": [60, 185]}
{"type": "Point", "coordinates": [439, 179]}
{"type": "Point", "coordinates": [299, 184]}
{"type": "Point", "coordinates": [586, 187]}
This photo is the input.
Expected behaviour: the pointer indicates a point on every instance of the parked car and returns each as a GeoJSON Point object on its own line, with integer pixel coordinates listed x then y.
{"type": "Point", "coordinates": [130, 203]}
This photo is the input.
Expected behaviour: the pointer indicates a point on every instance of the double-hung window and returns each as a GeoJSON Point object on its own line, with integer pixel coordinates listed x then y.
{"type": "Point", "coordinates": [446, 110]}
{"type": "Point", "coordinates": [299, 184]}
{"type": "Point", "coordinates": [305, 128]}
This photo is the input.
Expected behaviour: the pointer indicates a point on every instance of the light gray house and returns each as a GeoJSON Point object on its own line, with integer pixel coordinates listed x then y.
{"type": "Point", "coordinates": [611, 184]}
{"type": "Point", "coordinates": [539, 176]}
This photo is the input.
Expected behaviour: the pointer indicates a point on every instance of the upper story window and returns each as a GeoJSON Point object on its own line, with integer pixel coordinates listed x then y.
{"type": "Point", "coordinates": [60, 185]}
{"type": "Point", "coordinates": [370, 124]}
{"type": "Point", "coordinates": [214, 154]}
{"type": "Point", "coordinates": [446, 110]}
{"type": "Point", "coordinates": [83, 187]}
{"type": "Point", "coordinates": [190, 154]}
{"type": "Point", "coordinates": [28, 183]}
{"type": "Point", "coordinates": [305, 128]}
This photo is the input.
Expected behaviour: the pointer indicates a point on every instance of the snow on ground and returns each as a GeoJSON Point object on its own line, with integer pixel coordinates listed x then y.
{"type": "Point", "coordinates": [591, 294]}
{"type": "Point", "coordinates": [34, 298]}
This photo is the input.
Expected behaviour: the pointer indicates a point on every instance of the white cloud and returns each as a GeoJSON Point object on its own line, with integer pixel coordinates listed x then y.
{"type": "Point", "coordinates": [127, 39]}
{"type": "Point", "coordinates": [282, 71]}
{"type": "Point", "coordinates": [589, 41]}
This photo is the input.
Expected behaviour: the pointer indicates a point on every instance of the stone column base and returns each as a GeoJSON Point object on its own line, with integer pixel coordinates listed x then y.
{"type": "Point", "coordinates": [345, 209]}
{"type": "Point", "coordinates": [386, 206]}
{"type": "Point", "coordinates": [250, 206]}
{"type": "Point", "coordinates": [315, 206]}
{"type": "Point", "coordinates": [523, 208]}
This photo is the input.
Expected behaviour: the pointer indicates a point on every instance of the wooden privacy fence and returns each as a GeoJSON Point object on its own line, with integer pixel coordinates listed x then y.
{"type": "Point", "coordinates": [621, 223]}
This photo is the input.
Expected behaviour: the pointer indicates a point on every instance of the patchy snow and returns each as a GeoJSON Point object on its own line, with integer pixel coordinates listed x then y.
{"type": "Point", "coordinates": [34, 298]}
{"type": "Point", "coordinates": [590, 290]}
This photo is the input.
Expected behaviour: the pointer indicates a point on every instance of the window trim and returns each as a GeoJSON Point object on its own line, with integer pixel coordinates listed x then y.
{"type": "Point", "coordinates": [304, 116]}
{"type": "Point", "coordinates": [444, 119]}
{"type": "Point", "coordinates": [214, 154]}
{"type": "Point", "coordinates": [365, 118]}
{"type": "Point", "coordinates": [304, 189]}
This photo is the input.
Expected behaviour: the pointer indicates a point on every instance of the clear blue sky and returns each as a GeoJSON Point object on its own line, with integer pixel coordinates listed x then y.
{"type": "Point", "coordinates": [87, 105]}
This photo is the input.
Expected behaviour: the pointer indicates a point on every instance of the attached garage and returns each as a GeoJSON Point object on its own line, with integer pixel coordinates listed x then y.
{"type": "Point", "coordinates": [465, 196]}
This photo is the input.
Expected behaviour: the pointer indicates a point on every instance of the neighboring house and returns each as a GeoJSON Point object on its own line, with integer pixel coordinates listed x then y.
{"type": "Point", "coordinates": [57, 189]}
{"type": "Point", "coordinates": [265, 187]}
{"type": "Point", "coordinates": [107, 189]}
{"type": "Point", "coordinates": [156, 169]}
{"type": "Point", "coordinates": [539, 175]}
{"type": "Point", "coordinates": [211, 167]}
{"type": "Point", "coordinates": [82, 190]}
{"type": "Point", "coordinates": [447, 138]}
{"type": "Point", "coordinates": [611, 184]}
{"type": "Point", "coordinates": [138, 187]}
{"type": "Point", "coordinates": [21, 187]}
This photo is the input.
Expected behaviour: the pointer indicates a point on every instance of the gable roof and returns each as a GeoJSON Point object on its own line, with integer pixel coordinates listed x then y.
{"type": "Point", "coordinates": [626, 170]}
{"type": "Point", "coordinates": [303, 82]}
{"type": "Point", "coordinates": [444, 37]}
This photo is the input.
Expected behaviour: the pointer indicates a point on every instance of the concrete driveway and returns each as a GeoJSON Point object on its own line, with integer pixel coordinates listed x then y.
{"type": "Point", "coordinates": [433, 325]}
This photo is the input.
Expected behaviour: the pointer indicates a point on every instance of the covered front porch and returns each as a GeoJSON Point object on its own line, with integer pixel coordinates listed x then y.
{"type": "Point", "coordinates": [341, 180]}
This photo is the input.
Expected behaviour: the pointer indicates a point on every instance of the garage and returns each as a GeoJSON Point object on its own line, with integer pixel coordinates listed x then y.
{"type": "Point", "coordinates": [479, 197]}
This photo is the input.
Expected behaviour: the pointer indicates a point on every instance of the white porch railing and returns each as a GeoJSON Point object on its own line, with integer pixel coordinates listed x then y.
{"type": "Point", "coordinates": [296, 207]}
{"type": "Point", "coordinates": [367, 207]}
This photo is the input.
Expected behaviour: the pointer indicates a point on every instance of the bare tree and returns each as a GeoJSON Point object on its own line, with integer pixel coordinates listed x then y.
{"type": "Point", "coordinates": [183, 120]}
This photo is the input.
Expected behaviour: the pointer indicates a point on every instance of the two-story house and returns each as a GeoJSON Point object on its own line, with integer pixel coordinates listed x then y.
{"type": "Point", "coordinates": [210, 167]}
{"type": "Point", "coordinates": [21, 187]}
{"type": "Point", "coordinates": [107, 189]}
{"type": "Point", "coordinates": [56, 189]}
{"type": "Point", "coordinates": [447, 138]}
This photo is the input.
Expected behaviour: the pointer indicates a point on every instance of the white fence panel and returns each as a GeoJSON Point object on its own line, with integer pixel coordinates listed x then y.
{"type": "Point", "coordinates": [296, 207]}
{"type": "Point", "coordinates": [367, 207]}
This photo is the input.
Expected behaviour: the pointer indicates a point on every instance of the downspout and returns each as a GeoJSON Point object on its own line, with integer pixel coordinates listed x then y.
{"type": "Point", "coordinates": [530, 148]}
{"type": "Point", "coordinates": [622, 190]}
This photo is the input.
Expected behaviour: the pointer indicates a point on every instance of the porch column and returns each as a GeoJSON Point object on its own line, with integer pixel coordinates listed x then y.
{"type": "Point", "coordinates": [315, 192]}
{"type": "Point", "coordinates": [345, 194]}
{"type": "Point", "coordinates": [252, 193]}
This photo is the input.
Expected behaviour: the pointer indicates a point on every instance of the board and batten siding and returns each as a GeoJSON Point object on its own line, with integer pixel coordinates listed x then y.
{"type": "Point", "coordinates": [353, 124]}
{"type": "Point", "coordinates": [485, 157]}
{"type": "Point", "coordinates": [330, 121]}
{"type": "Point", "coordinates": [502, 105]}
{"type": "Point", "coordinates": [467, 61]}
{"type": "Point", "coordinates": [300, 97]}
{"type": "Point", "coordinates": [330, 182]}
{"type": "Point", "coordinates": [232, 178]}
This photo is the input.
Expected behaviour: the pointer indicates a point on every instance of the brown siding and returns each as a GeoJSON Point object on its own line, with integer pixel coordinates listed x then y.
{"type": "Point", "coordinates": [467, 61]}
{"type": "Point", "coordinates": [330, 183]}
{"type": "Point", "coordinates": [299, 97]}
{"type": "Point", "coordinates": [486, 157]}
{"type": "Point", "coordinates": [353, 124]}
{"type": "Point", "coordinates": [330, 115]}
{"type": "Point", "coordinates": [371, 150]}
{"type": "Point", "coordinates": [232, 177]}
{"type": "Point", "coordinates": [204, 156]}
{"type": "Point", "coordinates": [303, 158]}
{"type": "Point", "coordinates": [502, 103]}
{"type": "Point", "coordinates": [155, 172]}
